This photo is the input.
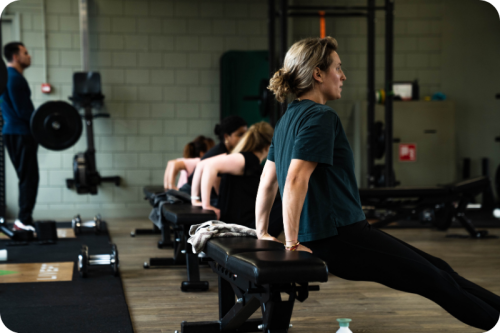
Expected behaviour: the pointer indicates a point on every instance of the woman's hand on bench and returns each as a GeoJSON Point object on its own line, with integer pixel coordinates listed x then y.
{"type": "Point", "coordinates": [266, 236]}
{"type": "Point", "coordinates": [304, 248]}
{"type": "Point", "coordinates": [214, 209]}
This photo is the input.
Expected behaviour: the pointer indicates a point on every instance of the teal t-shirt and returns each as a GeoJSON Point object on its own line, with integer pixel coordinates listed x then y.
{"type": "Point", "coordinates": [313, 132]}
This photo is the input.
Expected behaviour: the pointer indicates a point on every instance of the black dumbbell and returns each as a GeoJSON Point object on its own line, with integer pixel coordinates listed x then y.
{"type": "Point", "coordinates": [85, 260]}
{"type": "Point", "coordinates": [94, 225]}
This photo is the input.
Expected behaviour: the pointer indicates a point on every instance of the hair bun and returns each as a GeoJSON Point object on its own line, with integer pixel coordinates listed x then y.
{"type": "Point", "coordinates": [217, 130]}
{"type": "Point", "coordinates": [284, 74]}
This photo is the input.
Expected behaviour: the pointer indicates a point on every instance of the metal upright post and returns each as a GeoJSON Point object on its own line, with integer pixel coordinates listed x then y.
{"type": "Point", "coordinates": [3, 207]}
{"type": "Point", "coordinates": [271, 14]}
{"type": "Point", "coordinates": [84, 34]}
{"type": "Point", "coordinates": [389, 70]}
{"type": "Point", "coordinates": [283, 41]}
{"type": "Point", "coordinates": [371, 92]}
{"type": "Point", "coordinates": [284, 30]}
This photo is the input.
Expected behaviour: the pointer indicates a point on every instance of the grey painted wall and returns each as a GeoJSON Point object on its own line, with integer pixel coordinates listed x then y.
{"type": "Point", "coordinates": [471, 77]}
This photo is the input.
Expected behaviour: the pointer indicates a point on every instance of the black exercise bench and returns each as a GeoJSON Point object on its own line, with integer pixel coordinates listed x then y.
{"type": "Point", "coordinates": [152, 194]}
{"type": "Point", "coordinates": [180, 218]}
{"type": "Point", "coordinates": [149, 193]}
{"type": "Point", "coordinates": [439, 205]}
{"type": "Point", "coordinates": [252, 274]}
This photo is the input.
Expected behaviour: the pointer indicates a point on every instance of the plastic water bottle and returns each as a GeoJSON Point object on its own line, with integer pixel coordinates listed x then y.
{"type": "Point", "coordinates": [3, 255]}
{"type": "Point", "coordinates": [344, 325]}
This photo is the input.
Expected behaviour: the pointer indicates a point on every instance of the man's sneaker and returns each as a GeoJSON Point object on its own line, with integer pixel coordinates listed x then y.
{"type": "Point", "coordinates": [18, 225]}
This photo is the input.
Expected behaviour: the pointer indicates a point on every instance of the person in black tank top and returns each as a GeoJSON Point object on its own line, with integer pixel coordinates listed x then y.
{"type": "Point", "coordinates": [230, 131]}
{"type": "Point", "coordinates": [241, 171]}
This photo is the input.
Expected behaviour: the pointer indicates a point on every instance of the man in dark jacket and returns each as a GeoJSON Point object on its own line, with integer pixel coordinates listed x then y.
{"type": "Point", "coordinates": [17, 109]}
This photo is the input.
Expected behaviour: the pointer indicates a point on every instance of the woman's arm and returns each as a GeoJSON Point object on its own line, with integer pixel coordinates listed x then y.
{"type": "Point", "coordinates": [195, 185]}
{"type": "Point", "coordinates": [233, 164]}
{"type": "Point", "coordinates": [173, 169]}
{"type": "Point", "coordinates": [268, 187]}
{"type": "Point", "coordinates": [296, 186]}
{"type": "Point", "coordinates": [165, 177]}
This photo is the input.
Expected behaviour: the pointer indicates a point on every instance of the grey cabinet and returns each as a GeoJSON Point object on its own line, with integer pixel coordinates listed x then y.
{"type": "Point", "coordinates": [429, 125]}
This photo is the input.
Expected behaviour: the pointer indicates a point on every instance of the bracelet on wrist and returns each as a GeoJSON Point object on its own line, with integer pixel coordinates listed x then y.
{"type": "Point", "coordinates": [195, 198]}
{"type": "Point", "coordinates": [293, 247]}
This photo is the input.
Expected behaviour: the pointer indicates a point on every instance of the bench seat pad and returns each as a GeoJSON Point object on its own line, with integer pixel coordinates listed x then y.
{"type": "Point", "coordinates": [270, 267]}
{"type": "Point", "coordinates": [473, 185]}
{"type": "Point", "coordinates": [220, 249]}
{"type": "Point", "coordinates": [404, 192]}
{"type": "Point", "coordinates": [186, 214]}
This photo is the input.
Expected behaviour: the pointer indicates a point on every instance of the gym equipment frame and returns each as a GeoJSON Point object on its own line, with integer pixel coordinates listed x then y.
{"type": "Point", "coordinates": [285, 11]}
{"type": "Point", "coordinates": [438, 205]}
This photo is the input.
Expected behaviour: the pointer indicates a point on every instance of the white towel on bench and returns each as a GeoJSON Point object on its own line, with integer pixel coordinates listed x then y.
{"type": "Point", "coordinates": [201, 233]}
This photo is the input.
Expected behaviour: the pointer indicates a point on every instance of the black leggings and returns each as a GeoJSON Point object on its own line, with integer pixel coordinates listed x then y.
{"type": "Point", "coordinates": [22, 150]}
{"type": "Point", "coordinates": [361, 252]}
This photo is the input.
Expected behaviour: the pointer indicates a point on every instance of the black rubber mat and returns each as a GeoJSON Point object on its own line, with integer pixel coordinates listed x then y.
{"type": "Point", "coordinates": [93, 304]}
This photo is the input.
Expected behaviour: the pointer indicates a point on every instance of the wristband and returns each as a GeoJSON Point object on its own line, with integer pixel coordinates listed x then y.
{"type": "Point", "coordinates": [195, 198]}
{"type": "Point", "coordinates": [293, 247]}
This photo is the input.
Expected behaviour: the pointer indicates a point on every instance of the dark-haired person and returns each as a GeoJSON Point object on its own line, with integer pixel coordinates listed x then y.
{"type": "Point", "coordinates": [241, 171]}
{"type": "Point", "coordinates": [311, 162]}
{"type": "Point", "coordinates": [229, 132]}
{"type": "Point", "coordinates": [193, 151]}
{"type": "Point", "coordinates": [17, 109]}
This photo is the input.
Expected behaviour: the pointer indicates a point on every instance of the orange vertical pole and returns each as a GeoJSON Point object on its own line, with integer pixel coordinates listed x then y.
{"type": "Point", "coordinates": [322, 27]}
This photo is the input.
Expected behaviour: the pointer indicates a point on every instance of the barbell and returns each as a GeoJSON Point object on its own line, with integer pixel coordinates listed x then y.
{"type": "Point", "coordinates": [56, 125]}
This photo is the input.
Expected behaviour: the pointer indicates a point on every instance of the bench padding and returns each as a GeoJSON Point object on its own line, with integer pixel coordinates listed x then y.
{"type": "Point", "coordinates": [474, 185]}
{"type": "Point", "coordinates": [266, 262]}
{"type": "Point", "coordinates": [187, 214]}
{"type": "Point", "coordinates": [220, 249]}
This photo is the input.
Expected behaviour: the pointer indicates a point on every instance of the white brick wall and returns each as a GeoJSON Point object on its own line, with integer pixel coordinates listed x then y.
{"type": "Point", "coordinates": [159, 62]}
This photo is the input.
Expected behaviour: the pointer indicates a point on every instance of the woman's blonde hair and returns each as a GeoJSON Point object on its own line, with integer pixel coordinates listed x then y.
{"type": "Point", "coordinates": [257, 138]}
{"type": "Point", "coordinates": [296, 76]}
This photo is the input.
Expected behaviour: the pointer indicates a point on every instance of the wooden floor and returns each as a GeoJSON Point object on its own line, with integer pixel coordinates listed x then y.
{"type": "Point", "coordinates": [156, 303]}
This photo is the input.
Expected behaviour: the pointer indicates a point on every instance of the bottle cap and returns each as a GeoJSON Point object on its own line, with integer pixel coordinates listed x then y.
{"type": "Point", "coordinates": [344, 322]}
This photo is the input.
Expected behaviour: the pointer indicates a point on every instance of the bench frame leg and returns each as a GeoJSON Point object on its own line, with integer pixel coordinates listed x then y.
{"type": "Point", "coordinates": [459, 214]}
{"type": "Point", "coordinates": [166, 234]}
{"type": "Point", "coordinates": [234, 315]}
{"type": "Point", "coordinates": [139, 232]}
{"type": "Point", "coordinates": [193, 267]}
{"type": "Point", "coordinates": [183, 255]}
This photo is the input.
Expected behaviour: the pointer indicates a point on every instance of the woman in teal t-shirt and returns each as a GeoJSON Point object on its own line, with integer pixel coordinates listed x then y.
{"type": "Point", "coordinates": [311, 162]}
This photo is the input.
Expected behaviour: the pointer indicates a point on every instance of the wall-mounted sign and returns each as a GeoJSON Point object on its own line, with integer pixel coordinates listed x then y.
{"type": "Point", "coordinates": [407, 152]}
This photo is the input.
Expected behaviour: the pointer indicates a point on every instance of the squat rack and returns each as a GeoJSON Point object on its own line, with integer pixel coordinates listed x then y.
{"type": "Point", "coordinates": [285, 11]}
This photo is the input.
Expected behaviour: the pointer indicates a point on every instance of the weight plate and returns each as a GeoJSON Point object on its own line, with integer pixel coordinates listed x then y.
{"type": "Point", "coordinates": [3, 76]}
{"type": "Point", "coordinates": [83, 260]}
{"type": "Point", "coordinates": [116, 264]}
{"type": "Point", "coordinates": [56, 125]}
